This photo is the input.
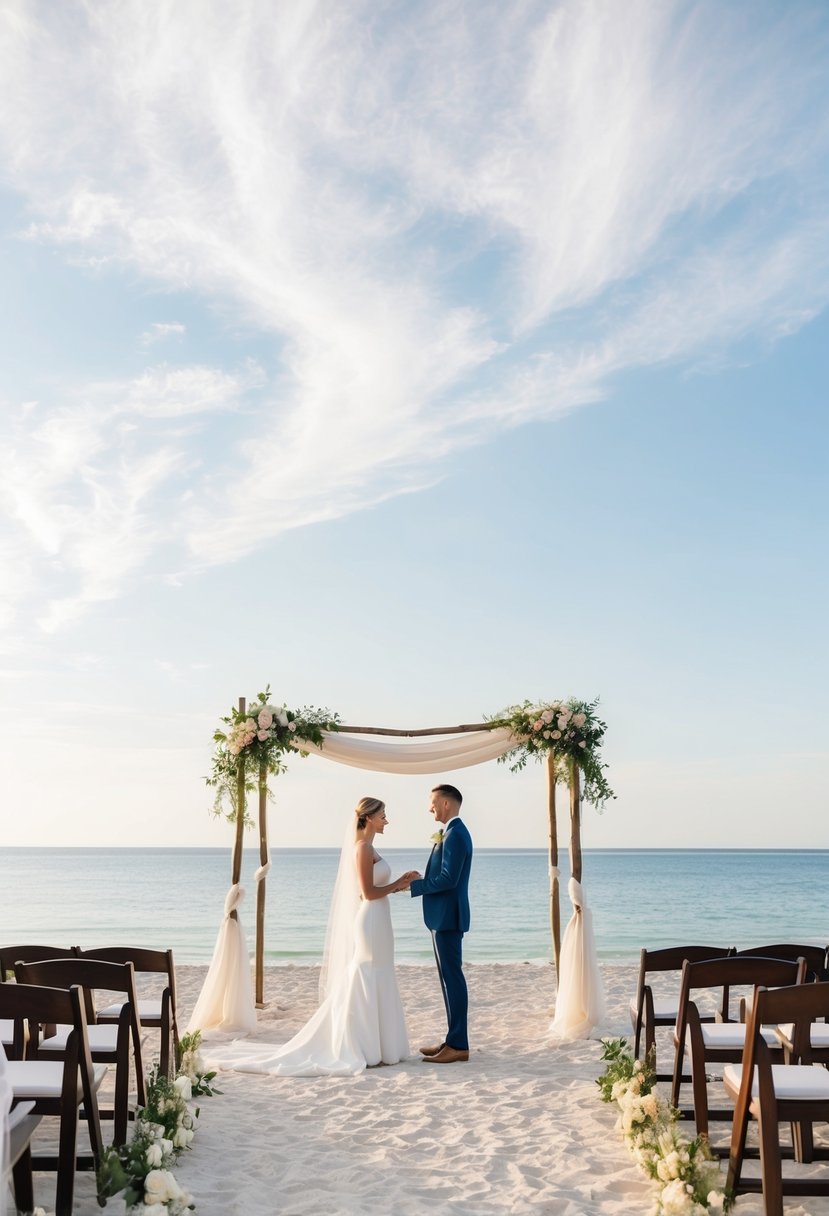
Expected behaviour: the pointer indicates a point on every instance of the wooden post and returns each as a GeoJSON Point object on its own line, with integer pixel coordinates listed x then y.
{"type": "Point", "coordinates": [555, 910]}
{"type": "Point", "coordinates": [260, 887]}
{"type": "Point", "coordinates": [236, 869]}
{"type": "Point", "coordinates": [575, 820]}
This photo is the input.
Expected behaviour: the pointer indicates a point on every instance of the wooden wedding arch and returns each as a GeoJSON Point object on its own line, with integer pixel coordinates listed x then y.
{"type": "Point", "coordinates": [554, 776]}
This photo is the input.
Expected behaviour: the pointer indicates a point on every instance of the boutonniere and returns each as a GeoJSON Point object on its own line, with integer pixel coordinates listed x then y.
{"type": "Point", "coordinates": [437, 837]}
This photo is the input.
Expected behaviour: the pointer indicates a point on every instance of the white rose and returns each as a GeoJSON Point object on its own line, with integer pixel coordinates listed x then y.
{"type": "Point", "coordinates": [546, 734]}
{"type": "Point", "coordinates": [716, 1200]}
{"type": "Point", "coordinates": [157, 1186]}
{"type": "Point", "coordinates": [547, 715]}
{"type": "Point", "coordinates": [561, 721]}
{"type": "Point", "coordinates": [579, 719]}
{"type": "Point", "coordinates": [182, 1084]}
{"type": "Point", "coordinates": [154, 1156]}
{"type": "Point", "coordinates": [182, 1137]}
{"type": "Point", "coordinates": [265, 719]}
{"type": "Point", "coordinates": [282, 718]}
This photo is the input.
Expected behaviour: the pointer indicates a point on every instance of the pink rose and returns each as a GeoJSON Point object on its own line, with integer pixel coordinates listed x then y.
{"type": "Point", "coordinates": [261, 735]}
{"type": "Point", "coordinates": [265, 719]}
{"type": "Point", "coordinates": [292, 726]}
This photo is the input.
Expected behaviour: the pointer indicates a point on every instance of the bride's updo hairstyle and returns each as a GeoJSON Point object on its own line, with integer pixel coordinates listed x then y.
{"type": "Point", "coordinates": [365, 808]}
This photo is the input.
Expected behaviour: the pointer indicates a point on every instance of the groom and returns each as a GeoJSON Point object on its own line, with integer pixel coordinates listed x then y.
{"type": "Point", "coordinates": [445, 891]}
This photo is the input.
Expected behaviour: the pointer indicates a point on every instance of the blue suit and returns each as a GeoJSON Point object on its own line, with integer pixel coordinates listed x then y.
{"type": "Point", "coordinates": [445, 891]}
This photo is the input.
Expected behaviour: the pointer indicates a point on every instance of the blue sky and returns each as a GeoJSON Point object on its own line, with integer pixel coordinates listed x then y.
{"type": "Point", "coordinates": [415, 359]}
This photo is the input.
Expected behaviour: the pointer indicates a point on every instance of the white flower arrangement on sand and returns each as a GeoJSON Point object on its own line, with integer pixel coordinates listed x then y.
{"type": "Point", "coordinates": [689, 1178]}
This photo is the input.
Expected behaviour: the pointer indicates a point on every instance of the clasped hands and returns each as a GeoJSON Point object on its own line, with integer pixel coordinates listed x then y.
{"type": "Point", "coordinates": [405, 880]}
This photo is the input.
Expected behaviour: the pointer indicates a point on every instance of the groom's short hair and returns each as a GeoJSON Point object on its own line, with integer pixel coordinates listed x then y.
{"type": "Point", "coordinates": [449, 791]}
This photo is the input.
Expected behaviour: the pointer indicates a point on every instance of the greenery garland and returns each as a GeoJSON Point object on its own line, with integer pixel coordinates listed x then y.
{"type": "Point", "coordinates": [258, 740]}
{"type": "Point", "coordinates": [164, 1128]}
{"type": "Point", "coordinates": [571, 730]}
{"type": "Point", "coordinates": [688, 1176]}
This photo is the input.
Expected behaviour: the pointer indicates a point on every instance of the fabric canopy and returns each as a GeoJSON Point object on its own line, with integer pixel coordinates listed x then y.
{"type": "Point", "coordinates": [437, 755]}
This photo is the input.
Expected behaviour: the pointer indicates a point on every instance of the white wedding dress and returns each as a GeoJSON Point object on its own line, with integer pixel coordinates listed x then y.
{"type": "Point", "coordinates": [359, 1024]}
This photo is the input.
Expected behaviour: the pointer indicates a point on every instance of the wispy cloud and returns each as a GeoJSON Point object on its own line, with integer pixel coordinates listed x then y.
{"type": "Point", "coordinates": [447, 219]}
{"type": "Point", "coordinates": [159, 331]}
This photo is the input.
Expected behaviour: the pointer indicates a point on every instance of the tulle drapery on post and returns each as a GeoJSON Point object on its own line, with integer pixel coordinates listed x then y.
{"type": "Point", "coordinates": [225, 1005]}
{"type": "Point", "coordinates": [580, 1005]}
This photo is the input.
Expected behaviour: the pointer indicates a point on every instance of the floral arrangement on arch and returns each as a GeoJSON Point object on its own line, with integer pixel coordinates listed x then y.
{"type": "Point", "coordinates": [262, 735]}
{"type": "Point", "coordinates": [689, 1178]}
{"type": "Point", "coordinates": [570, 729]}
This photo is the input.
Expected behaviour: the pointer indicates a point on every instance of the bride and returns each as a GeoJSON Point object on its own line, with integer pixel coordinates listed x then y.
{"type": "Point", "coordinates": [360, 1021]}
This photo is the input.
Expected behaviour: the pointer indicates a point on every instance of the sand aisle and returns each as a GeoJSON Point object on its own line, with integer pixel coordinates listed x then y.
{"type": "Point", "coordinates": [519, 1129]}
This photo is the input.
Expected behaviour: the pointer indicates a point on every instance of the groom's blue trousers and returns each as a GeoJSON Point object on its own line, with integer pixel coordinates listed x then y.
{"type": "Point", "coordinates": [449, 955]}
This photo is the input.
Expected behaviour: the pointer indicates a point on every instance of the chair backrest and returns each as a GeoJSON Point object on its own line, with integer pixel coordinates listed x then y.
{"type": "Point", "coordinates": [672, 958]}
{"type": "Point", "coordinates": [815, 956]}
{"type": "Point", "coordinates": [725, 973]}
{"type": "Point", "coordinates": [88, 974]}
{"type": "Point", "coordinates": [155, 962]}
{"type": "Point", "coordinates": [801, 1004]}
{"type": "Point", "coordinates": [9, 955]}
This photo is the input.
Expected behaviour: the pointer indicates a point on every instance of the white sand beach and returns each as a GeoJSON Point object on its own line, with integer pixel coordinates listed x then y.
{"type": "Point", "coordinates": [518, 1129]}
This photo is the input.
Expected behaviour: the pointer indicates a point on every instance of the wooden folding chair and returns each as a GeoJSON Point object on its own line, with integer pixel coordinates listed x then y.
{"type": "Point", "coordinates": [796, 1092]}
{"type": "Point", "coordinates": [108, 1044]}
{"type": "Point", "coordinates": [648, 1012]}
{"type": "Point", "coordinates": [157, 1013]}
{"type": "Point", "coordinates": [57, 1087]}
{"type": "Point", "coordinates": [721, 1042]}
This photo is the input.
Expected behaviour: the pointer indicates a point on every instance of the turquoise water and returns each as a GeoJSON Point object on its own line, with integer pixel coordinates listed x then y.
{"type": "Point", "coordinates": [650, 897]}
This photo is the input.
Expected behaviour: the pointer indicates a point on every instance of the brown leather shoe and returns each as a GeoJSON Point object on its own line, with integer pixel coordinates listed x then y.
{"type": "Point", "coordinates": [431, 1051]}
{"type": "Point", "coordinates": [447, 1055]}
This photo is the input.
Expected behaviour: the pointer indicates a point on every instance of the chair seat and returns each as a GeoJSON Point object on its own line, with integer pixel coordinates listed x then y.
{"type": "Point", "coordinates": [724, 1036]}
{"type": "Point", "coordinates": [661, 1010]}
{"type": "Point", "coordinates": [818, 1036]}
{"type": "Point", "coordinates": [6, 1031]}
{"type": "Point", "coordinates": [792, 1082]}
{"type": "Point", "coordinates": [43, 1079]}
{"type": "Point", "coordinates": [101, 1038]}
{"type": "Point", "coordinates": [148, 1011]}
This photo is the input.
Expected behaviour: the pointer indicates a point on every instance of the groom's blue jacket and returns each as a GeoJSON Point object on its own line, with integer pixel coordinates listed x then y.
{"type": "Point", "coordinates": [445, 885]}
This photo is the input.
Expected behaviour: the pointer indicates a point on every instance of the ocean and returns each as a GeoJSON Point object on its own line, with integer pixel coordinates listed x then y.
{"type": "Point", "coordinates": [639, 897]}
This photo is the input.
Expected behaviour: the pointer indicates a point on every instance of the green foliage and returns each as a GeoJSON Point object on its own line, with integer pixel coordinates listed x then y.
{"type": "Point", "coordinates": [254, 744]}
{"type": "Point", "coordinates": [190, 1064]}
{"type": "Point", "coordinates": [571, 730]}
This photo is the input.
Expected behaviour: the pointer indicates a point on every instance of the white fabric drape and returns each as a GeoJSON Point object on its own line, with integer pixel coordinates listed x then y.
{"type": "Point", "coordinates": [5, 1107]}
{"type": "Point", "coordinates": [442, 754]}
{"type": "Point", "coordinates": [580, 1005]}
{"type": "Point", "coordinates": [225, 1006]}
